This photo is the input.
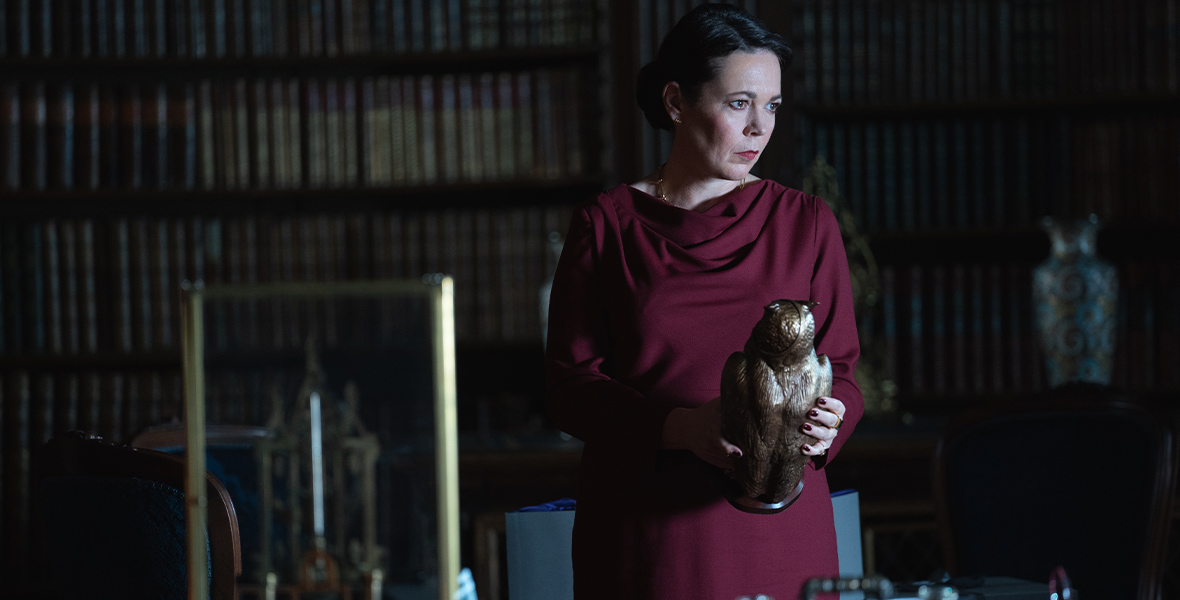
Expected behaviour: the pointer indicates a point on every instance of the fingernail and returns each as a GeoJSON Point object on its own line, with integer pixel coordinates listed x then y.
{"type": "Point", "coordinates": [806, 448]}
{"type": "Point", "coordinates": [807, 427]}
{"type": "Point", "coordinates": [814, 413]}
{"type": "Point", "coordinates": [822, 402]}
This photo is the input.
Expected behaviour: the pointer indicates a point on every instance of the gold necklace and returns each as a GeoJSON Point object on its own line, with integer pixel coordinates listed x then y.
{"type": "Point", "coordinates": [660, 185]}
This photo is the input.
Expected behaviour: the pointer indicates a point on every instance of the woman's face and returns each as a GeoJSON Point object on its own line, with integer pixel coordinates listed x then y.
{"type": "Point", "coordinates": [729, 125]}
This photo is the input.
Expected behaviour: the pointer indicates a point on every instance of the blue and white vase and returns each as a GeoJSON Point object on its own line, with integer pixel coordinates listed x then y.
{"type": "Point", "coordinates": [1075, 294]}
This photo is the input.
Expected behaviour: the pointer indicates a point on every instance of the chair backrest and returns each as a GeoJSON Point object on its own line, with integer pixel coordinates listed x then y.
{"type": "Point", "coordinates": [112, 522]}
{"type": "Point", "coordinates": [1082, 477]}
{"type": "Point", "coordinates": [230, 456]}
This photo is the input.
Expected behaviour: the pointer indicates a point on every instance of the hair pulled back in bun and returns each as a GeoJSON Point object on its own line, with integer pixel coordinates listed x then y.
{"type": "Point", "coordinates": [690, 53]}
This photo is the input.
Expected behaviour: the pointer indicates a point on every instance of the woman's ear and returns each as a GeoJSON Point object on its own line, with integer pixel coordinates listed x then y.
{"type": "Point", "coordinates": [673, 100]}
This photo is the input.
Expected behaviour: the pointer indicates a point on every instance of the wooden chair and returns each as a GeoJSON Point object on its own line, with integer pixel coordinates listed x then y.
{"type": "Point", "coordinates": [1082, 477]}
{"type": "Point", "coordinates": [230, 456]}
{"type": "Point", "coordinates": [112, 522]}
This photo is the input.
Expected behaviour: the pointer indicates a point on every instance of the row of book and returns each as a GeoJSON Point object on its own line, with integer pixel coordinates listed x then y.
{"type": "Point", "coordinates": [79, 287]}
{"type": "Point", "coordinates": [214, 29]}
{"type": "Point", "coordinates": [299, 133]}
{"type": "Point", "coordinates": [946, 331]}
{"type": "Point", "coordinates": [946, 174]}
{"type": "Point", "coordinates": [854, 52]}
{"type": "Point", "coordinates": [970, 330]}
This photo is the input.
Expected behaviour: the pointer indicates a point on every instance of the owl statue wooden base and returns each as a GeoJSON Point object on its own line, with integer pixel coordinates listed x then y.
{"type": "Point", "coordinates": [767, 390]}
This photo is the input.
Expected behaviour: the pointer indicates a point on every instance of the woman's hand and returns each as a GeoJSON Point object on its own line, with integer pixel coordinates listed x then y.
{"type": "Point", "coordinates": [699, 429]}
{"type": "Point", "coordinates": [826, 418]}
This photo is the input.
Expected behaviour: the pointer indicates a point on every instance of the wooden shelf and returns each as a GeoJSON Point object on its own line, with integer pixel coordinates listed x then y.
{"type": "Point", "coordinates": [142, 202]}
{"type": "Point", "coordinates": [1017, 245]}
{"type": "Point", "coordinates": [1078, 104]}
{"type": "Point", "coordinates": [169, 358]}
{"type": "Point", "coordinates": [136, 69]}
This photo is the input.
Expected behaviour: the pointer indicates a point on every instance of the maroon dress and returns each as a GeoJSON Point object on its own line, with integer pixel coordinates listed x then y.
{"type": "Point", "coordinates": [648, 302]}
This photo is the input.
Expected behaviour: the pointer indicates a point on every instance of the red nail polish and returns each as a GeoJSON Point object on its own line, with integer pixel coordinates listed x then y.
{"type": "Point", "coordinates": [822, 402]}
{"type": "Point", "coordinates": [814, 413]}
{"type": "Point", "coordinates": [807, 426]}
{"type": "Point", "coordinates": [806, 448]}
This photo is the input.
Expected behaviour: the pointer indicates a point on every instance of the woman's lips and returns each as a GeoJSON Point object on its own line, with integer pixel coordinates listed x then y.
{"type": "Point", "coordinates": [748, 154]}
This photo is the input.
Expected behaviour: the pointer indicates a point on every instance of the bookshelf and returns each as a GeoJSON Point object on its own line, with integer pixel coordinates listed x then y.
{"type": "Point", "coordinates": [144, 143]}
{"type": "Point", "coordinates": [955, 126]}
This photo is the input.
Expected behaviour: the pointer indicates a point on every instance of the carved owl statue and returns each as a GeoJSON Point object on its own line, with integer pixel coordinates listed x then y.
{"type": "Point", "coordinates": [766, 392]}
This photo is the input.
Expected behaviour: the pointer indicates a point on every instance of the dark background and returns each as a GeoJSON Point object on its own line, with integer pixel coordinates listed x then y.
{"type": "Point", "coordinates": [148, 142]}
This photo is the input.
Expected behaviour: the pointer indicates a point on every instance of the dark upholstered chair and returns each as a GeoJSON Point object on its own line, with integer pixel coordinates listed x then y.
{"type": "Point", "coordinates": [111, 520]}
{"type": "Point", "coordinates": [230, 457]}
{"type": "Point", "coordinates": [1081, 477]}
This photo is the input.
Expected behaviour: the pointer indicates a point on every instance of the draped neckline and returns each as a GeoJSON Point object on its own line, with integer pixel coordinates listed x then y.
{"type": "Point", "coordinates": [738, 209]}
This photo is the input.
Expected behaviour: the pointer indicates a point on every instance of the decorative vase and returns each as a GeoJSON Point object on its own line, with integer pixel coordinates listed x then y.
{"type": "Point", "coordinates": [1076, 294]}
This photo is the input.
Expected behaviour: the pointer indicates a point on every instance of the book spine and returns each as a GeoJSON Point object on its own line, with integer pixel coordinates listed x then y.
{"type": "Point", "coordinates": [35, 131]}
{"type": "Point", "coordinates": [827, 51]}
{"type": "Point", "coordinates": [12, 340]}
{"type": "Point", "coordinates": [572, 120]}
{"type": "Point", "coordinates": [241, 134]}
{"type": "Point", "coordinates": [282, 148]}
{"type": "Point", "coordinates": [89, 302]}
{"type": "Point", "coordinates": [349, 134]}
{"type": "Point", "coordinates": [207, 168]}
{"type": "Point", "coordinates": [505, 127]}
{"type": "Point", "coordinates": [330, 23]}
{"type": "Point", "coordinates": [548, 150]}
{"type": "Point", "coordinates": [428, 131]}
{"type": "Point", "coordinates": [71, 298]}
{"type": "Point", "coordinates": [449, 152]}
{"type": "Point", "coordinates": [10, 138]}
{"type": "Point", "coordinates": [869, 24]}
{"type": "Point", "coordinates": [889, 159]}
{"type": "Point", "coordinates": [316, 136]}
{"type": "Point", "coordinates": [121, 255]}
{"type": "Point", "coordinates": [868, 217]}
{"type": "Point", "coordinates": [416, 23]}
{"type": "Point", "coordinates": [411, 146]}
{"type": "Point", "coordinates": [163, 291]}
{"type": "Point", "coordinates": [334, 134]}
{"type": "Point", "coordinates": [455, 33]}
{"type": "Point", "coordinates": [224, 151]}
{"type": "Point", "coordinates": [847, 46]}
{"type": "Point", "coordinates": [141, 277]}
{"type": "Point", "coordinates": [961, 173]}
{"type": "Point", "coordinates": [526, 125]}
{"type": "Point", "coordinates": [161, 176]}
{"type": "Point", "coordinates": [262, 175]}
{"type": "Point", "coordinates": [52, 267]}
{"type": "Point", "coordinates": [486, 99]}
{"type": "Point", "coordinates": [398, 163]}
{"type": "Point", "coordinates": [437, 22]}
{"type": "Point", "coordinates": [939, 352]}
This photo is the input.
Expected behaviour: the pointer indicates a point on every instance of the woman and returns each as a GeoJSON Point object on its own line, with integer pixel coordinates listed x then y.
{"type": "Point", "coordinates": [658, 283]}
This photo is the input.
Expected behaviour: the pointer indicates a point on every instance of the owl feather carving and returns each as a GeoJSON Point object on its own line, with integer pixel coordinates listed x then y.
{"type": "Point", "coordinates": [767, 390]}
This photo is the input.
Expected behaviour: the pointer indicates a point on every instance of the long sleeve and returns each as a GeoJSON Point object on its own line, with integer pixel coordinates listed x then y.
{"type": "Point", "coordinates": [582, 398]}
{"type": "Point", "coordinates": [836, 322]}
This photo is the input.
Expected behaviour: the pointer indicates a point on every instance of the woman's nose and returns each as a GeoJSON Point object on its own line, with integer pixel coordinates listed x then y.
{"type": "Point", "coordinates": [757, 124]}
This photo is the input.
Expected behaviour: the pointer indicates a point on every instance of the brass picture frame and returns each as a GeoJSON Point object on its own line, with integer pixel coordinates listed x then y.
{"type": "Point", "coordinates": [437, 291]}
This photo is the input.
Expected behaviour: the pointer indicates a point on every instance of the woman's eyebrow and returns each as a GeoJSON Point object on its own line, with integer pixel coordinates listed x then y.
{"type": "Point", "coordinates": [752, 95]}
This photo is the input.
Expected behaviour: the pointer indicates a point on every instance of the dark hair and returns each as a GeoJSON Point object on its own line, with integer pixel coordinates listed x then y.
{"type": "Point", "coordinates": [690, 53]}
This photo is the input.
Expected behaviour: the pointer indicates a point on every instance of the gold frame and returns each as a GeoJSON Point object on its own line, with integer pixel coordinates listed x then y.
{"type": "Point", "coordinates": [439, 290]}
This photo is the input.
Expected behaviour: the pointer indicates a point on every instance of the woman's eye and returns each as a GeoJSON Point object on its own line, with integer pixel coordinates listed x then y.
{"type": "Point", "coordinates": [773, 106]}
{"type": "Point", "coordinates": [739, 103]}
